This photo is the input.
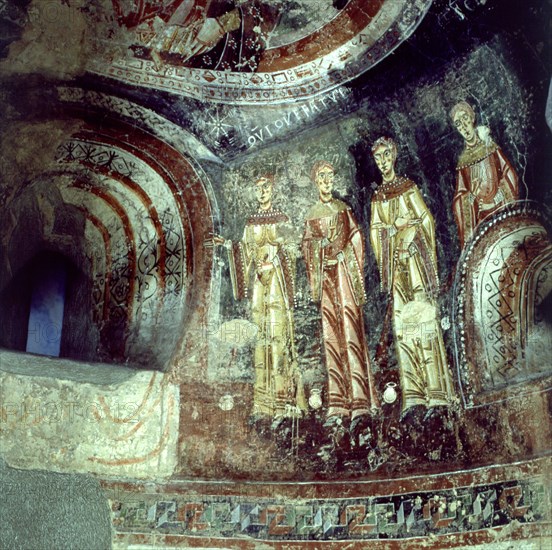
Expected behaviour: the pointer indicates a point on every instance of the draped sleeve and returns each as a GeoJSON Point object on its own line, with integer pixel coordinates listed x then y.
{"type": "Point", "coordinates": [240, 260]}
{"type": "Point", "coordinates": [463, 211]}
{"type": "Point", "coordinates": [353, 256]}
{"type": "Point", "coordinates": [382, 243]}
{"type": "Point", "coordinates": [508, 177]}
{"type": "Point", "coordinates": [314, 257]}
{"type": "Point", "coordinates": [425, 233]}
{"type": "Point", "coordinates": [286, 260]}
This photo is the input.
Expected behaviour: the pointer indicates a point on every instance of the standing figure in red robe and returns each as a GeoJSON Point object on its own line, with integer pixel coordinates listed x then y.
{"type": "Point", "coordinates": [333, 248]}
{"type": "Point", "coordinates": [485, 179]}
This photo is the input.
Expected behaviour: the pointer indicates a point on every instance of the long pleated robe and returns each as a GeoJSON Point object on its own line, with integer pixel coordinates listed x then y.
{"type": "Point", "coordinates": [263, 271]}
{"type": "Point", "coordinates": [333, 249]}
{"type": "Point", "coordinates": [407, 263]}
{"type": "Point", "coordinates": [485, 181]}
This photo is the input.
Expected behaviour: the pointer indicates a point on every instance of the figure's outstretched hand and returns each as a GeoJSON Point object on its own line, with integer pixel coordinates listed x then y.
{"type": "Point", "coordinates": [213, 241]}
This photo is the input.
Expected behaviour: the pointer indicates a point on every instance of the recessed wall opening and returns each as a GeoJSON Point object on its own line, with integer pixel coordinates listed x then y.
{"type": "Point", "coordinates": [45, 310]}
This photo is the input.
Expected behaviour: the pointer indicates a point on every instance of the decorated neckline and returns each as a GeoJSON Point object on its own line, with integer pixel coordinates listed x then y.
{"type": "Point", "coordinates": [473, 154]}
{"type": "Point", "coordinates": [388, 190]}
{"type": "Point", "coordinates": [267, 216]}
{"type": "Point", "coordinates": [394, 183]}
{"type": "Point", "coordinates": [325, 209]}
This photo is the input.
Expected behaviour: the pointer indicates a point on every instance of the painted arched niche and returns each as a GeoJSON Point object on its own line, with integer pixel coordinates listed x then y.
{"type": "Point", "coordinates": [129, 212]}
{"type": "Point", "coordinates": [501, 294]}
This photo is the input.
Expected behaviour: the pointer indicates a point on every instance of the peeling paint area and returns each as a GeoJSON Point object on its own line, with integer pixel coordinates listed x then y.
{"type": "Point", "coordinates": [302, 255]}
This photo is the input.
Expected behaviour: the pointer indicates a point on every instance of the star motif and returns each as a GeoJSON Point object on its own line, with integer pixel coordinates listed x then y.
{"type": "Point", "coordinates": [217, 124]}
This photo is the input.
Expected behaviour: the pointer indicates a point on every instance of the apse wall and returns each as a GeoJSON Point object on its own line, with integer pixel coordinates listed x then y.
{"type": "Point", "coordinates": [264, 342]}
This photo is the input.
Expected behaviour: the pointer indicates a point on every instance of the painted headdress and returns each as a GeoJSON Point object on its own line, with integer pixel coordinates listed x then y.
{"type": "Point", "coordinates": [269, 177]}
{"type": "Point", "coordinates": [385, 142]}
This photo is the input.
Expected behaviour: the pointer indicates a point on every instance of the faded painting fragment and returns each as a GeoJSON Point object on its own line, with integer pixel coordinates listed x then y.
{"type": "Point", "coordinates": [402, 233]}
{"type": "Point", "coordinates": [485, 179]}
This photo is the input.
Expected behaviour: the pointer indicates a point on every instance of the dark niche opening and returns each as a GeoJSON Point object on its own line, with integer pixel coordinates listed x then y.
{"type": "Point", "coordinates": [46, 310]}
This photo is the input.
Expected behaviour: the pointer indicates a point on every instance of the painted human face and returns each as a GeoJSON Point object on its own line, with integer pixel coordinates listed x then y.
{"type": "Point", "coordinates": [465, 125]}
{"type": "Point", "coordinates": [324, 181]}
{"type": "Point", "coordinates": [263, 192]}
{"type": "Point", "coordinates": [385, 157]}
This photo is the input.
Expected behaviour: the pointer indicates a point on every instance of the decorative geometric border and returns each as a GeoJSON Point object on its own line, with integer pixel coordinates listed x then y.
{"type": "Point", "coordinates": [522, 497]}
{"type": "Point", "coordinates": [398, 517]}
{"type": "Point", "coordinates": [298, 83]}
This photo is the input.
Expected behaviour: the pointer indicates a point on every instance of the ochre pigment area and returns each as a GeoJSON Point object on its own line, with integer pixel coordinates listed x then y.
{"type": "Point", "coordinates": [275, 274]}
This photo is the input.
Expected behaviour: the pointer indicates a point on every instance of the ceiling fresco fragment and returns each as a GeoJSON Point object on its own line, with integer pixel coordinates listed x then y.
{"type": "Point", "coordinates": [175, 49]}
{"type": "Point", "coordinates": [302, 252]}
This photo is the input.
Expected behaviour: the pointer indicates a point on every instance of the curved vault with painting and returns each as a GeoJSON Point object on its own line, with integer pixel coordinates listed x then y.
{"type": "Point", "coordinates": [278, 274]}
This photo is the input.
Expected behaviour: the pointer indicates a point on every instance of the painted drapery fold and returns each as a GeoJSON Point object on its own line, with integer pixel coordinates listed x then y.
{"type": "Point", "coordinates": [263, 270]}
{"type": "Point", "coordinates": [485, 181]}
{"type": "Point", "coordinates": [334, 254]}
{"type": "Point", "coordinates": [402, 232]}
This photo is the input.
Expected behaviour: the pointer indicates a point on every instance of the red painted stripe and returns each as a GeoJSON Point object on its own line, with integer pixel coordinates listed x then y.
{"type": "Point", "coordinates": [356, 16]}
{"type": "Point", "coordinates": [192, 198]}
{"type": "Point", "coordinates": [194, 208]}
{"type": "Point", "coordinates": [107, 243]}
{"type": "Point", "coordinates": [147, 203]}
{"type": "Point", "coordinates": [346, 488]}
{"type": "Point", "coordinates": [127, 227]}
{"type": "Point", "coordinates": [166, 176]}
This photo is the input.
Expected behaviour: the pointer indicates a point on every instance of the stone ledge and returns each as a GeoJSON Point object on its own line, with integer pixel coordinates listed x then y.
{"type": "Point", "coordinates": [29, 364]}
{"type": "Point", "coordinates": [56, 416]}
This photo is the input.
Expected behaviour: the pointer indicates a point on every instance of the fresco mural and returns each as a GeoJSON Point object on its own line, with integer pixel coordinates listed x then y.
{"type": "Point", "coordinates": [210, 35]}
{"type": "Point", "coordinates": [355, 420]}
{"type": "Point", "coordinates": [402, 232]}
{"type": "Point", "coordinates": [309, 283]}
{"type": "Point", "coordinates": [485, 178]}
{"type": "Point", "coordinates": [501, 290]}
{"type": "Point", "coordinates": [223, 50]}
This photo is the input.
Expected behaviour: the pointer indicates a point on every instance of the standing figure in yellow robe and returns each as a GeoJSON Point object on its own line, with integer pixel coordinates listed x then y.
{"type": "Point", "coordinates": [402, 233]}
{"type": "Point", "coordinates": [263, 271]}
